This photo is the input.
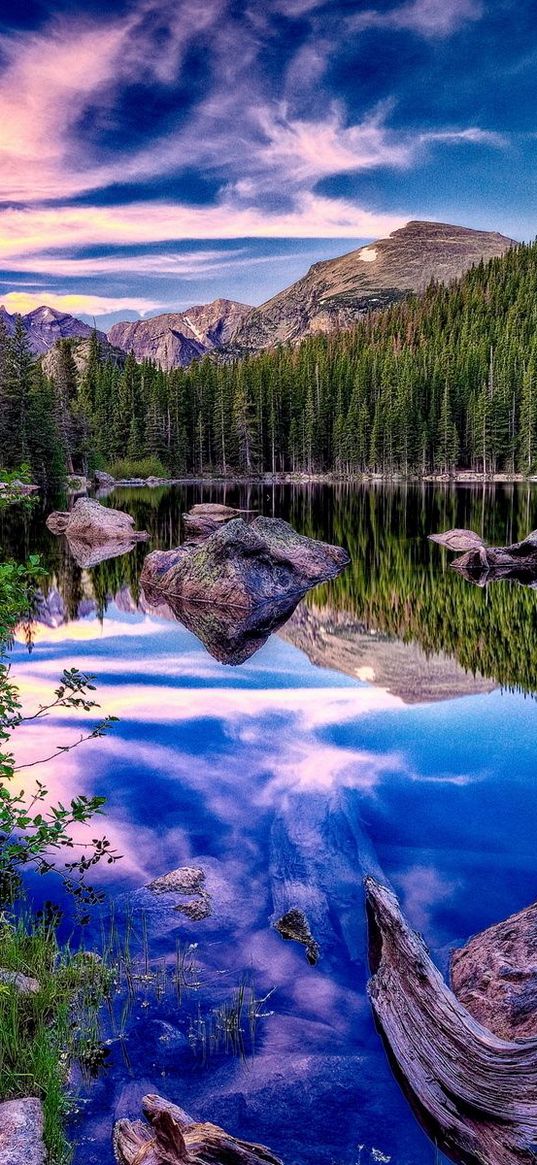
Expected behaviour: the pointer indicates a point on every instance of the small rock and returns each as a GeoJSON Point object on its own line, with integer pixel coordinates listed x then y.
{"type": "Point", "coordinates": [294, 927]}
{"type": "Point", "coordinates": [103, 480]}
{"type": "Point", "coordinates": [185, 880]}
{"type": "Point", "coordinates": [197, 909]}
{"type": "Point", "coordinates": [23, 984]}
{"type": "Point", "coordinates": [21, 1132]}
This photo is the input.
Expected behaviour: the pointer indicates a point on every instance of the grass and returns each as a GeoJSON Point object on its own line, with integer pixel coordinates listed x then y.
{"type": "Point", "coordinates": [141, 467]}
{"type": "Point", "coordinates": [39, 1036]}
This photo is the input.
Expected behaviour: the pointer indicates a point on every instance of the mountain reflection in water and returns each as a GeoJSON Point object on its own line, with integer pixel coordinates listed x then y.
{"type": "Point", "coordinates": [342, 746]}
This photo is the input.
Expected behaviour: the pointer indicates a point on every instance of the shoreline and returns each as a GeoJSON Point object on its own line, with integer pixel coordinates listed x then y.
{"type": "Point", "coordinates": [463, 477]}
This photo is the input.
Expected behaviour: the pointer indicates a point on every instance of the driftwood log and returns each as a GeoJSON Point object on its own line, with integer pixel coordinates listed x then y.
{"type": "Point", "coordinates": [173, 1138]}
{"type": "Point", "coordinates": [475, 1093]}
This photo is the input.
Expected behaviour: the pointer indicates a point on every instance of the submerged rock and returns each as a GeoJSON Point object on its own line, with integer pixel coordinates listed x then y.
{"type": "Point", "coordinates": [294, 927]}
{"type": "Point", "coordinates": [495, 976]}
{"type": "Point", "coordinates": [185, 880]}
{"type": "Point", "coordinates": [243, 565]}
{"type": "Point", "coordinates": [94, 524]}
{"type": "Point", "coordinates": [21, 1132]}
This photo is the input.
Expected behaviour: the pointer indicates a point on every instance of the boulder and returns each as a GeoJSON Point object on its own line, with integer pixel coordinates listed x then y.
{"type": "Point", "coordinates": [22, 984]}
{"type": "Point", "coordinates": [94, 524]}
{"type": "Point", "coordinates": [495, 976]}
{"type": "Point", "coordinates": [243, 565]}
{"type": "Point", "coordinates": [103, 480]}
{"type": "Point", "coordinates": [203, 519]}
{"type": "Point", "coordinates": [21, 1132]}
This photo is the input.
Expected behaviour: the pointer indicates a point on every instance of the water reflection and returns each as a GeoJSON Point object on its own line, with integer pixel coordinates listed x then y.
{"type": "Point", "coordinates": [341, 747]}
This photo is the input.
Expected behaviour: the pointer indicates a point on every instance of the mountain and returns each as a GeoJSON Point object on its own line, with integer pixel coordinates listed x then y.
{"type": "Point", "coordinates": [176, 338]}
{"type": "Point", "coordinates": [336, 292]}
{"type": "Point", "coordinates": [80, 349]}
{"type": "Point", "coordinates": [45, 326]}
{"type": "Point", "coordinates": [7, 320]}
{"type": "Point", "coordinates": [341, 641]}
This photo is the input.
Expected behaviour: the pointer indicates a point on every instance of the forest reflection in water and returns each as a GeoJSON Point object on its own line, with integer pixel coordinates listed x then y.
{"type": "Point", "coordinates": [286, 782]}
{"type": "Point", "coordinates": [397, 586]}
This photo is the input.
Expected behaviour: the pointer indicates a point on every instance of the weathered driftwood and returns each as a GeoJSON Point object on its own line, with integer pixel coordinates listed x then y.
{"type": "Point", "coordinates": [476, 1094]}
{"type": "Point", "coordinates": [173, 1138]}
{"type": "Point", "coordinates": [495, 976]}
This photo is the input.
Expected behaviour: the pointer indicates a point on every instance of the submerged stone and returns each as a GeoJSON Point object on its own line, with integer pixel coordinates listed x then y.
{"type": "Point", "coordinates": [294, 927]}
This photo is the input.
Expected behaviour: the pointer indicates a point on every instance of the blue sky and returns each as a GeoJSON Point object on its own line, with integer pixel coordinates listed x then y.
{"type": "Point", "coordinates": [155, 154]}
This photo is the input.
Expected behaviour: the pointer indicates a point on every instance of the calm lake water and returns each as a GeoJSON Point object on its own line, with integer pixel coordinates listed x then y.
{"type": "Point", "coordinates": [390, 726]}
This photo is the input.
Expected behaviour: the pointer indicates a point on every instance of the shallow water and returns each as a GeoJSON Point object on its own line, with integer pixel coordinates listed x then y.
{"type": "Point", "coordinates": [357, 739]}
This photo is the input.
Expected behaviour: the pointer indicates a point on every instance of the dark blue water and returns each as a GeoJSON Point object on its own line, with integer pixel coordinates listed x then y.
{"type": "Point", "coordinates": [286, 780]}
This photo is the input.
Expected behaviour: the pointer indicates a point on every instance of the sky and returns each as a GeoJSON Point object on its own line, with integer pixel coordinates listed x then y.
{"type": "Point", "coordinates": [160, 153]}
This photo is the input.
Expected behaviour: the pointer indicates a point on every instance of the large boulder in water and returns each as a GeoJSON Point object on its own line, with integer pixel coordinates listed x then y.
{"type": "Point", "coordinates": [94, 524]}
{"type": "Point", "coordinates": [495, 976]}
{"type": "Point", "coordinates": [243, 564]}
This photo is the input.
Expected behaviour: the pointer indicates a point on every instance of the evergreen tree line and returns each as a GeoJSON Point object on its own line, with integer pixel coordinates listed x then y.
{"type": "Point", "coordinates": [445, 380]}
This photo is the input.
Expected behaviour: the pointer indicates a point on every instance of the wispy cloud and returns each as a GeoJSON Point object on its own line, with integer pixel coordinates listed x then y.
{"type": "Point", "coordinates": [429, 18]}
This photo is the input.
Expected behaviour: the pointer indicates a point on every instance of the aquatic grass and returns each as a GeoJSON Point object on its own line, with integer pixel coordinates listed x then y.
{"type": "Point", "coordinates": [43, 1033]}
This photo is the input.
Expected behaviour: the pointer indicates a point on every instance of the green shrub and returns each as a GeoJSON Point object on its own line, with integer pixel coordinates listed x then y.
{"type": "Point", "coordinates": [144, 467]}
{"type": "Point", "coordinates": [22, 473]}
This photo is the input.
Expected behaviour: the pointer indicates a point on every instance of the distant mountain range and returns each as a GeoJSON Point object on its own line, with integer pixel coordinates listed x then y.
{"type": "Point", "coordinates": [175, 339]}
{"type": "Point", "coordinates": [333, 294]}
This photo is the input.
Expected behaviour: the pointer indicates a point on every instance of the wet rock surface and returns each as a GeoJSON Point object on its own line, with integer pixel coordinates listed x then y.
{"type": "Point", "coordinates": [94, 524]}
{"type": "Point", "coordinates": [21, 1132]}
{"type": "Point", "coordinates": [243, 565]}
{"type": "Point", "coordinates": [495, 976]}
{"type": "Point", "coordinates": [188, 881]}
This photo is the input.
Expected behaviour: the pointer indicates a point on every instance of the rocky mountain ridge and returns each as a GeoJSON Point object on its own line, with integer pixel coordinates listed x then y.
{"type": "Point", "coordinates": [44, 326]}
{"type": "Point", "coordinates": [336, 292]}
{"type": "Point", "coordinates": [333, 294]}
{"type": "Point", "coordinates": [174, 339]}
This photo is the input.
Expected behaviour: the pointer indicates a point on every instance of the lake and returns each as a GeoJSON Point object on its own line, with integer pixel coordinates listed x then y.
{"type": "Point", "coordinates": [390, 726]}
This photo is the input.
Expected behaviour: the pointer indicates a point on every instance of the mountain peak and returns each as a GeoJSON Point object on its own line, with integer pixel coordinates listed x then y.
{"type": "Point", "coordinates": [336, 292]}
{"type": "Point", "coordinates": [174, 339]}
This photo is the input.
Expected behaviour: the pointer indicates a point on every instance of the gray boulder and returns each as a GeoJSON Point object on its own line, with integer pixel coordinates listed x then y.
{"type": "Point", "coordinates": [94, 524]}
{"type": "Point", "coordinates": [21, 1132]}
{"type": "Point", "coordinates": [242, 565]}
